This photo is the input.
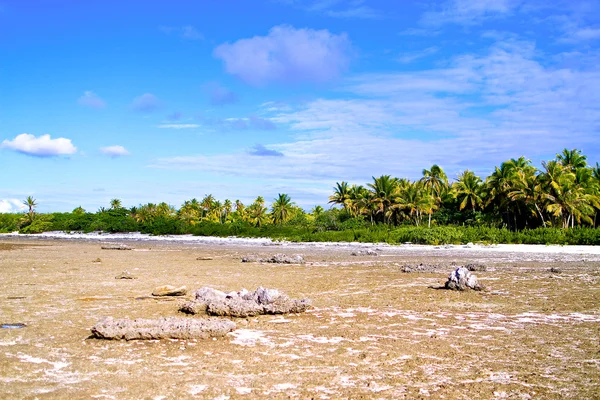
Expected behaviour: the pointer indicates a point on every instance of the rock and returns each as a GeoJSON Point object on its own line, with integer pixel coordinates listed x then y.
{"type": "Point", "coordinates": [462, 279]}
{"type": "Point", "coordinates": [469, 245]}
{"type": "Point", "coordinates": [168, 290]}
{"type": "Point", "coordinates": [97, 260]}
{"type": "Point", "coordinates": [243, 304]}
{"type": "Point", "coordinates": [275, 259]}
{"type": "Point", "coordinates": [162, 328]}
{"type": "Point", "coordinates": [367, 252]}
{"type": "Point", "coordinates": [125, 275]}
{"type": "Point", "coordinates": [418, 268]}
{"type": "Point", "coordinates": [555, 270]}
{"type": "Point", "coordinates": [476, 267]}
{"type": "Point", "coordinates": [204, 258]}
{"type": "Point", "coordinates": [250, 258]}
{"type": "Point", "coordinates": [116, 247]}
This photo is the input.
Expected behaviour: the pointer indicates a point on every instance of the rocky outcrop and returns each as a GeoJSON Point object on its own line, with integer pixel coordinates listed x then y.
{"type": "Point", "coordinates": [462, 279]}
{"type": "Point", "coordinates": [162, 328]}
{"type": "Point", "coordinates": [275, 259]}
{"type": "Point", "coordinates": [243, 304]}
{"type": "Point", "coordinates": [168, 290]}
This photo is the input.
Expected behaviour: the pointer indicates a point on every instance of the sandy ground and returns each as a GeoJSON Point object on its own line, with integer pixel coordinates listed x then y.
{"type": "Point", "coordinates": [374, 332]}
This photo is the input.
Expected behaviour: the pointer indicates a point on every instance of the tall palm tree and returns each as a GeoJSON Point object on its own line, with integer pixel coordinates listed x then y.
{"type": "Point", "coordinates": [281, 209]}
{"type": "Point", "coordinates": [31, 204]}
{"type": "Point", "coordinates": [385, 190]}
{"type": "Point", "coordinates": [341, 194]}
{"type": "Point", "coordinates": [257, 212]}
{"type": "Point", "coordinates": [469, 190]}
{"type": "Point", "coordinates": [435, 182]}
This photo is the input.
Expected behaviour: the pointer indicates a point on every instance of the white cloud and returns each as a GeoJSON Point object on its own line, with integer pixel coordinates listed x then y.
{"type": "Point", "coordinates": [42, 146]}
{"type": "Point", "coordinates": [114, 151]}
{"type": "Point", "coordinates": [178, 126]}
{"type": "Point", "coordinates": [287, 54]}
{"type": "Point", "coordinates": [91, 100]}
{"type": "Point", "coordinates": [11, 206]}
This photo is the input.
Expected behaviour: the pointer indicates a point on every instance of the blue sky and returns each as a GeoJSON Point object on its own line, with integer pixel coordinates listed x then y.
{"type": "Point", "coordinates": [151, 101]}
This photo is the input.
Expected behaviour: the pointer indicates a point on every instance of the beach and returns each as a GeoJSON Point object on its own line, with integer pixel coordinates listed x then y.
{"type": "Point", "coordinates": [373, 331]}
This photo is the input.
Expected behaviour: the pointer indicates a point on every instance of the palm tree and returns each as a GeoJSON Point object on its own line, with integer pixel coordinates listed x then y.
{"type": "Point", "coordinates": [572, 159]}
{"type": "Point", "coordinates": [227, 207]}
{"type": "Point", "coordinates": [527, 188]}
{"type": "Point", "coordinates": [317, 210]}
{"type": "Point", "coordinates": [435, 182]}
{"type": "Point", "coordinates": [385, 190]}
{"type": "Point", "coordinates": [31, 204]}
{"type": "Point", "coordinates": [469, 190]}
{"type": "Point", "coordinates": [341, 194]}
{"type": "Point", "coordinates": [257, 212]}
{"type": "Point", "coordinates": [281, 209]}
{"type": "Point", "coordinates": [78, 211]}
{"type": "Point", "coordinates": [115, 204]}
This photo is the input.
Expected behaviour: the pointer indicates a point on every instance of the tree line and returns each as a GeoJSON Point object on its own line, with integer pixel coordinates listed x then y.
{"type": "Point", "coordinates": [563, 193]}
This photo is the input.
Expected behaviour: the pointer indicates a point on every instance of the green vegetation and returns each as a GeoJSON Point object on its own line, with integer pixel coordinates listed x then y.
{"type": "Point", "coordinates": [517, 203]}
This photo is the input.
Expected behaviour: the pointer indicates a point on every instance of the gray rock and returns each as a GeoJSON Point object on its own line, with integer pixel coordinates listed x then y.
{"type": "Point", "coordinates": [462, 279]}
{"type": "Point", "coordinates": [243, 304]}
{"type": "Point", "coordinates": [418, 268]}
{"type": "Point", "coordinates": [367, 252]}
{"type": "Point", "coordinates": [116, 247]}
{"type": "Point", "coordinates": [125, 275]}
{"type": "Point", "coordinates": [555, 270]}
{"type": "Point", "coordinates": [275, 259]}
{"type": "Point", "coordinates": [476, 267]}
{"type": "Point", "coordinates": [168, 290]}
{"type": "Point", "coordinates": [204, 258]}
{"type": "Point", "coordinates": [162, 328]}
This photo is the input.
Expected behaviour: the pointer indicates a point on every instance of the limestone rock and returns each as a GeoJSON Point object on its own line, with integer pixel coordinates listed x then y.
{"type": "Point", "coordinates": [275, 259]}
{"type": "Point", "coordinates": [162, 328]}
{"type": "Point", "coordinates": [243, 304]}
{"type": "Point", "coordinates": [125, 275]}
{"type": "Point", "coordinates": [462, 279]}
{"type": "Point", "coordinates": [168, 290]}
{"type": "Point", "coordinates": [476, 267]}
{"type": "Point", "coordinates": [116, 247]}
{"type": "Point", "coordinates": [408, 268]}
{"type": "Point", "coordinates": [367, 252]}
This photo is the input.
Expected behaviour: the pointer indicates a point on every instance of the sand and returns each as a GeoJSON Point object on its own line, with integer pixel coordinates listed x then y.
{"type": "Point", "coordinates": [374, 332]}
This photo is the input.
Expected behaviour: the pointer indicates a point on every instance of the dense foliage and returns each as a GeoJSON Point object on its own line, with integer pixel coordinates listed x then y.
{"type": "Point", "coordinates": [517, 203]}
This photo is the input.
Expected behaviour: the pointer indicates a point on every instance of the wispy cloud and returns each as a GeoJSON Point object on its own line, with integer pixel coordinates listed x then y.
{"type": "Point", "coordinates": [91, 100]}
{"type": "Point", "coordinates": [337, 8]}
{"type": "Point", "coordinates": [220, 95]}
{"type": "Point", "coordinates": [185, 32]}
{"type": "Point", "coordinates": [468, 12]}
{"type": "Point", "coordinates": [262, 151]}
{"type": "Point", "coordinates": [407, 58]}
{"type": "Point", "coordinates": [146, 103]}
{"type": "Point", "coordinates": [43, 146]}
{"type": "Point", "coordinates": [178, 126]}
{"type": "Point", "coordinates": [114, 151]}
{"type": "Point", "coordinates": [479, 110]}
{"type": "Point", "coordinates": [287, 55]}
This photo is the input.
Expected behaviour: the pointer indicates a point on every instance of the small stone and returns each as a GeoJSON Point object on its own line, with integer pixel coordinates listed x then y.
{"type": "Point", "coordinates": [168, 290]}
{"type": "Point", "coordinates": [204, 258]}
{"type": "Point", "coordinates": [555, 270]}
{"type": "Point", "coordinates": [125, 275]}
{"type": "Point", "coordinates": [476, 267]}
